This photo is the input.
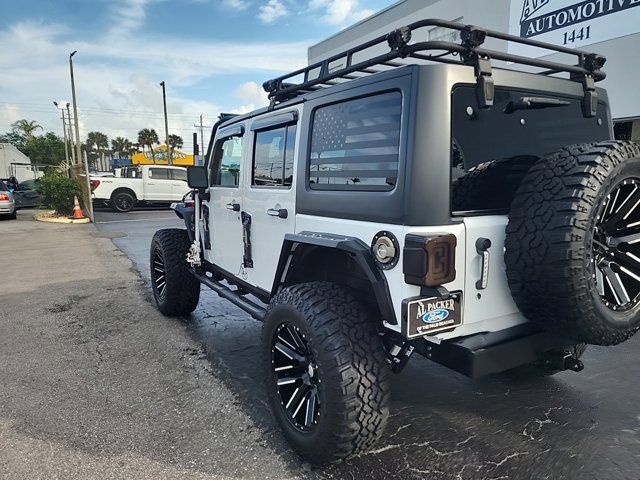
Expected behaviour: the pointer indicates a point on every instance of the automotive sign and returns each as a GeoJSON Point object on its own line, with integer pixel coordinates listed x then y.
{"type": "Point", "coordinates": [571, 23]}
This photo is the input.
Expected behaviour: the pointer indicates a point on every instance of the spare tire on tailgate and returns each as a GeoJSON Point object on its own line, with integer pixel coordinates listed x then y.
{"type": "Point", "coordinates": [573, 242]}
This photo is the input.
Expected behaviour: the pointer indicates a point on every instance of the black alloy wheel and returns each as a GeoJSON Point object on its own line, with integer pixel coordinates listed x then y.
{"type": "Point", "coordinates": [616, 247]}
{"type": "Point", "coordinates": [158, 274]}
{"type": "Point", "coordinates": [295, 373]}
{"type": "Point", "coordinates": [123, 202]}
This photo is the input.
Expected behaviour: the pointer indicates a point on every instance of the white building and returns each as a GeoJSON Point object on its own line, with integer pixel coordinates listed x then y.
{"type": "Point", "coordinates": [607, 27]}
{"type": "Point", "coordinates": [15, 163]}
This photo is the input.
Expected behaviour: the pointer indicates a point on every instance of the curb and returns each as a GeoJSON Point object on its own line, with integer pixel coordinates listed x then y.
{"type": "Point", "coordinates": [45, 217]}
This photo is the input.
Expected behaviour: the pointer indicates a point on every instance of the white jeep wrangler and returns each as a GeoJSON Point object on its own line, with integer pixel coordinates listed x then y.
{"type": "Point", "coordinates": [482, 217]}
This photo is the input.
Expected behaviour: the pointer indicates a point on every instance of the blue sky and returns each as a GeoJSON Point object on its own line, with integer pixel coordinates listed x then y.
{"type": "Point", "coordinates": [213, 55]}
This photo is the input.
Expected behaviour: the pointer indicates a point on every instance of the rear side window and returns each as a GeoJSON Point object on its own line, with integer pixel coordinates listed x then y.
{"type": "Point", "coordinates": [159, 173]}
{"type": "Point", "coordinates": [179, 175]}
{"type": "Point", "coordinates": [273, 157]}
{"type": "Point", "coordinates": [355, 144]}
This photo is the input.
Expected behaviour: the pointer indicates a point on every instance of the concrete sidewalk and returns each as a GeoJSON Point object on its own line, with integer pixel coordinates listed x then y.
{"type": "Point", "coordinates": [95, 383]}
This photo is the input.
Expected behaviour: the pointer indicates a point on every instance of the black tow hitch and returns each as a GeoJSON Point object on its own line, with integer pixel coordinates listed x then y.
{"type": "Point", "coordinates": [398, 353]}
{"type": "Point", "coordinates": [564, 361]}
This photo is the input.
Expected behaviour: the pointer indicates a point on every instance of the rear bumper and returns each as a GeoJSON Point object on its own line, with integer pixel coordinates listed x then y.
{"type": "Point", "coordinates": [492, 352]}
{"type": "Point", "coordinates": [7, 208]}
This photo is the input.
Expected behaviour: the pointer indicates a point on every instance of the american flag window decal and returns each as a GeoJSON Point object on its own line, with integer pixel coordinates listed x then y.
{"type": "Point", "coordinates": [355, 144]}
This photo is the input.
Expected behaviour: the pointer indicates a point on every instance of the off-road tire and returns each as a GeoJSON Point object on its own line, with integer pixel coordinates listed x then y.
{"type": "Point", "coordinates": [181, 292]}
{"type": "Point", "coordinates": [354, 375]}
{"type": "Point", "coordinates": [549, 241]}
{"type": "Point", "coordinates": [123, 202]}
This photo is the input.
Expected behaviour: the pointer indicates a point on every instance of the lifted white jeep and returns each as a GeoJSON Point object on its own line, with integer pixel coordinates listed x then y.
{"type": "Point", "coordinates": [384, 204]}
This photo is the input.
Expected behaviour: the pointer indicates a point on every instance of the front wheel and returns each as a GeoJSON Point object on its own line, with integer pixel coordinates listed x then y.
{"type": "Point", "coordinates": [175, 289]}
{"type": "Point", "coordinates": [328, 377]}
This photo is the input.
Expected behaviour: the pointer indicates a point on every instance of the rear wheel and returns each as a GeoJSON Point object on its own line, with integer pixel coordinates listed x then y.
{"type": "Point", "coordinates": [327, 378]}
{"type": "Point", "coordinates": [123, 202]}
{"type": "Point", "coordinates": [175, 289]}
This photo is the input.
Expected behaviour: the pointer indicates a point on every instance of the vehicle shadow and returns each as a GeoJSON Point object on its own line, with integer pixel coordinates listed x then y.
{"type": "Point", "coordinates": [442, 424]}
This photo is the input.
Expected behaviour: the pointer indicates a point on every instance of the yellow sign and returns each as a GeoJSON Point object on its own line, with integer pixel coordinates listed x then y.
{"type": "Point", "coordinates": [160, 154]}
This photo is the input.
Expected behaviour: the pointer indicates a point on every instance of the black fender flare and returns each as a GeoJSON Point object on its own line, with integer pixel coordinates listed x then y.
{"type": "Point", "coordinates": [353, 246]}
{"type": "Point", "coordinates": [187, 214]}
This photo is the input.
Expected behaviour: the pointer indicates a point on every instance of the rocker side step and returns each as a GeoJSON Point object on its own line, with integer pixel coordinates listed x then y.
{"type": "Point", "coordinates": [234, 296]}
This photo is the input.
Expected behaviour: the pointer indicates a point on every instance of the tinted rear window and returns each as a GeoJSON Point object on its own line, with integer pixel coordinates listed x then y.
{"type": "Point", "coordinates": [492, 149]}
{"type": "Point", "coordinates": [355, 144]}
{"type": "Point", "coordinates": [3, 187]}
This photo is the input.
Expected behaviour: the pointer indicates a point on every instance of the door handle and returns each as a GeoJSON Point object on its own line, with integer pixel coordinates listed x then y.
{"type": "Point", "coordinates": [235, 207]}
{"type": "Point", "coordinates": [278, 212]}
{"type": "Point", "coordinates": [482, 247]}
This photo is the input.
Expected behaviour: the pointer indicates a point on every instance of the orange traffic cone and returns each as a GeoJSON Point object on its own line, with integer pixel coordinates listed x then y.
{"type": "Point", "coordinates": [77, 211]}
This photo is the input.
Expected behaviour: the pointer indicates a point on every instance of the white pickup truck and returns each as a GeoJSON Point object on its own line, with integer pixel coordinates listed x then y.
{"type": "Point", "coordinates": [140, 184]}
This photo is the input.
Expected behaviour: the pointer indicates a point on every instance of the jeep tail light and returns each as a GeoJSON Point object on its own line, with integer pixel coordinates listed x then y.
{"type": "Point", "coordinates": [429, 260]}
{"type": "Point", "coordinates": [4, 197]}
{"type": "Point", "coordinates": [94, 184]}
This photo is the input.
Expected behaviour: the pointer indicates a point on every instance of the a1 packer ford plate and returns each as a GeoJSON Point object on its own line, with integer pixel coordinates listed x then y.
{"type": "Point", "coordinates": [425, 316]}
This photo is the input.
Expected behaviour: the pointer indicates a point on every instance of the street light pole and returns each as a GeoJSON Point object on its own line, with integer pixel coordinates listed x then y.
{"type": "Point", "coordinates": [73, 150]}
{"type": "Point", "coordinates": [78, 146]}
{"type": "Point", "coordinates": [64, 134]}
{"type": "Point", "coordinates": [166, 124]}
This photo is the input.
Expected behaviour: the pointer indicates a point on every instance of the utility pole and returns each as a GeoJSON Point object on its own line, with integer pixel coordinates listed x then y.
{"type": "Point", "coordinates": [64, 133]}
{"type": "Point", "coordinates": [201, 126]}
{"type": "Point", "coordinates": [73, 150]}
{"type": "Point", "coordinates": [78, 146]}
{"type": "Point", "coordinates": [166, 124]}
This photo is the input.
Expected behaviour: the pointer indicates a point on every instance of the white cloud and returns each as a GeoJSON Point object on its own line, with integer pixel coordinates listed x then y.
{"type": "Point", "coordinates": [339, 12]}
{"type": "Point", "coordinates": [253, 93]}
{"type": "Point", "coordinates": [117, 78]}
{"type": "Point", "coordinates": [127, 15]}
{"type": "Point", "coordinates": [272, 11]}
{"type": "Point", "coordinates": [238, 5]}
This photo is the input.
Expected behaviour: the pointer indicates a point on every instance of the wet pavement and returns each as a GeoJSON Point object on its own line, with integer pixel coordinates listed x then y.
{"type": "Point", "coordinates": [443, 426]}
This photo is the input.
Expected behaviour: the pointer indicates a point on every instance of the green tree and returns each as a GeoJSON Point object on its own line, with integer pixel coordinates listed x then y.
{"type": "Point", "coordinates": [121, 146]}
{"type": "Point", "coordinates": [47, 149]}
{"type": "Point", "coordinates": [25, 128]}
{"type": "Point", "coordinates": [174, 141]}
{"type": "Point", "coordinates": [148, 137]}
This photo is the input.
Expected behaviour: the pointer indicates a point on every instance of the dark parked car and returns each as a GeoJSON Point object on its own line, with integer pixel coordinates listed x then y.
{"type": "Point", "coordinates": [26, 194]}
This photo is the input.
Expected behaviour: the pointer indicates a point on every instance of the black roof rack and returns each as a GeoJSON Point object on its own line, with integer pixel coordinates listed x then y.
{"type": "Point", "coordinates": [341, 67]}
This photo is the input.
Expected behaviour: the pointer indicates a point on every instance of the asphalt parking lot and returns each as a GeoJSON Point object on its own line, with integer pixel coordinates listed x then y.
{"type": "Point", "coordinates": [443, 426]}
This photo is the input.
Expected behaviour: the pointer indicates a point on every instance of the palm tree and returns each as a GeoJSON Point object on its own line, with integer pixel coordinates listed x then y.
{"type": "Point", "coordinates": [148, 137]}
{"type": "Point", "coordinates": [173, 142]}
{"type": "Point", "coordinates": [121, 146]}
{"type": "Point", "coordinates": [25, 128]}
{"type": "Point", "coordinates": [98, 142]}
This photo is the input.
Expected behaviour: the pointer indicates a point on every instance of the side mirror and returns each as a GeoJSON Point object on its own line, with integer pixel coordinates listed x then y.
{"type": "Point", "coordinates": [197, 177]}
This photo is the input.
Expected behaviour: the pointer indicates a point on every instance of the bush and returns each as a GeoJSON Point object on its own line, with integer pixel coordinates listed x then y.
{"type": "Point", "coordinates": [57, 192]}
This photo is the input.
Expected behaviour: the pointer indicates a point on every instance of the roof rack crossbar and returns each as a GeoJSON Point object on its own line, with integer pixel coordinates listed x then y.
{"type": "Point", "coordinates": [470, 52]}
